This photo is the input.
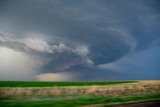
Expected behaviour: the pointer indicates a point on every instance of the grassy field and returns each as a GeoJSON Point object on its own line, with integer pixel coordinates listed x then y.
{"type": "Point", "coordinates": [73, 94]}
{"type": "Point", "coordinates": [48, 84]}
{"type": "Point", "coordinates": [76, 102]}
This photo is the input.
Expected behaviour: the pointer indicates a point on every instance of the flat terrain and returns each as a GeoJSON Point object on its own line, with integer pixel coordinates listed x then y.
{"type": "Point", "coordinates": [51, 84]}
{"type": "Point", "coordinates": [78, 95]}
{"type": "Point", "coordinates": [155, 103]}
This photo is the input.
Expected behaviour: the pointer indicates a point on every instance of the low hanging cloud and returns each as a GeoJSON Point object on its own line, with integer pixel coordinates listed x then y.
{"type": "Point", "coordinates": [60, 38]}
{"type": "Point", "coordinates": [32, 54]}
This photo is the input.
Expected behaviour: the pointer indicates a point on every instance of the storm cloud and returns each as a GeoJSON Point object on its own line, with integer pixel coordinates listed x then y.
{"type": "Point", "coordinates": [79, 40]}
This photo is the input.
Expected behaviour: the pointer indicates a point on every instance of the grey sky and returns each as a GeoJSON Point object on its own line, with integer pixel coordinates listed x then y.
{"type": "Point", "coordinates": [65, 40]}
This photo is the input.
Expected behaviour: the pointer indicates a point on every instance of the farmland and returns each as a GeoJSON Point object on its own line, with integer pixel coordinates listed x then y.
{"type": "Point", "coordinates": [71, 94]}
{"type": "Point", "coordinates": [50, 84]}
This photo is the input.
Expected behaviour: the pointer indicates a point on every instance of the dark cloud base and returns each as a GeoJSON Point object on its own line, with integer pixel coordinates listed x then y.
{"type": "Point", "coordinates": [78, 37]}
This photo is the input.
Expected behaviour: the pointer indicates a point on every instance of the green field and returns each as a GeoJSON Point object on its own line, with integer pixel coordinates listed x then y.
{"type": "Point", "coordinates": [58, 94]}
{"type": "Point", "coordinates": [47, 84]}
{"type": "Point", "coordinates": [82, 100]}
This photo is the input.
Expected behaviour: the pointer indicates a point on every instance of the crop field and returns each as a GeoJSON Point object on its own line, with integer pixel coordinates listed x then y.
{"type": "Point", "coordinates": [77, 94]}
{"type": "Point", "coordinates": [49, 84]}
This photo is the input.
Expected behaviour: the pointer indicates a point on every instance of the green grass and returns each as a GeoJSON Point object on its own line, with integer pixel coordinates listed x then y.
{"type": "Point", "coordinates": [47, 84]}
{"type": "Point", "coordinates": [83, 100]}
